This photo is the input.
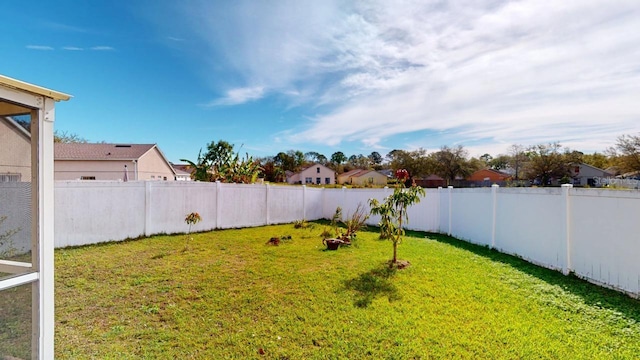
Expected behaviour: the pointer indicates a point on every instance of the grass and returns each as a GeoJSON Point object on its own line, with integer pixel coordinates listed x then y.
{"type": "Point", "coordinates": [229, 295]}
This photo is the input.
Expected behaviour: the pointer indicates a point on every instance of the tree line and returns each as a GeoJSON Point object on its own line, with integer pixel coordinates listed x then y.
{"type": "Point", "coordinates": [541, 163]}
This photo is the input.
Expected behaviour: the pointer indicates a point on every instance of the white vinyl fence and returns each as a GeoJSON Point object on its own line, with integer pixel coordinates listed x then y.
{"type": "Point", "coordinates": [591, 232]}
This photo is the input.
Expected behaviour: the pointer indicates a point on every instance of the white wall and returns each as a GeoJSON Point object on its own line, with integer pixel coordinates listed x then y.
{"type": "Point", "coordinates": [591, 232]}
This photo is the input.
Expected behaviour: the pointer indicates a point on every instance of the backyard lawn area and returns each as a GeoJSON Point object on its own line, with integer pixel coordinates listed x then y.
{"type": "Point", "coordinates": [227, 294]}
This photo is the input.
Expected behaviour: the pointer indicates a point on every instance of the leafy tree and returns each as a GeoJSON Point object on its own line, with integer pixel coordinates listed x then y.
{"type": "Point", "coordinates": [452, 162]}
{"type": "Point", "coordinates": [359, 161]}
{"type": "Point", "coordinates": [338, 157]}
{"type": "Point", "coordinates": [220, 163]}
{"type": "Point", "coordinates": [315, 157]}
{"type": "Point", "coordinates": [416, 162]}
{"type": "Point", "coordinates": [627, 152]}
{"type": "Point", "coordinates": [375, 158]}
{"type": "Point", "coordinates": [499, 162]}
{"type": "Point", "coordinates": [218, 153]}
{"type": "Point", "coordinates": [322, 159]}
{"type": "Point", "coordinates": [245, 170]}
{"type": "Point", "coordinates": [270, 171]}
{"type": "Point", "coordinates": [548, 162]}
{"type": "Point", "coordinates": [486, 159]}
{"type": "Point", "coordinates": [291, 160]}
{"type": "Point", "coordinates": [201, 168]}
{"type": "Point", "coordinates": [518, 159]}
{"type": "Point", "coordinates": [601, 161]}
{"type": "Point", "coordinates": [393, 211]}
{"type": "Point", "coordinates": [65, 137]}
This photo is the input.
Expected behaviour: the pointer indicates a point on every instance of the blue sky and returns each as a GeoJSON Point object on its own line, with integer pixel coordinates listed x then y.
{"type": "Point", "coordinates": [326, 76]}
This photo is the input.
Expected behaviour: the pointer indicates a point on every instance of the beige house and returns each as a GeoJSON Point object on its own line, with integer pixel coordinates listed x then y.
{"type": "Point", "coordinates": [120, 162]}
{"type": "Point", "coordinates": [315, 174]}
{"type": "Point", "coordinates": [15, 157]}
{"type": "Point", "coordinates": [362, 177]}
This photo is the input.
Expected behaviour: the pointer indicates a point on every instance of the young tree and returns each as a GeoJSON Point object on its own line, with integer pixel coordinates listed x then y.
{"type": "Point", "coordinates": [393, 211]}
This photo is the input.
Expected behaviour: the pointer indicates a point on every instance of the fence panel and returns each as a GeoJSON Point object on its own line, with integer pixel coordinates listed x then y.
{"type": "Point", "coordinates": [241, 205]}
{"type": "Point", "coordinates": [605, 245]}
{"type": "Point", "coordinates": [472, 215]}
{"type": "Point", "coordinates": [529, 224]}
{"type": "Point", "coordinates": [93, 212]}
{"type": "Point", "coordinates": [285, 204]}
{"type": "Point", "coordinates": [314, 203]}
{"type": "Point", "coordinates": [168, 204]}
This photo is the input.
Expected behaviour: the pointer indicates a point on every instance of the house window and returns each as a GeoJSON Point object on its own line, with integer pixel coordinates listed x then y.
{"type": "Point", "coordinates": [318, 170]}
{"type": "Point", "coordinates": [370, 180]}
{"type": "Point", "coordinates": [153, 177]}
{"type": "Point", "coordinates": [164, 178]}
{"type": "Point", "coordinates": [327, 181]}
{"type": "Point", "coordinates": [87, 177]}
{"type": "Point", "coordinates": [318, 180]}
{"type": "Point", "coordinates": [10, 177]}
{"type": "Point", "coordinates": [308, 180]}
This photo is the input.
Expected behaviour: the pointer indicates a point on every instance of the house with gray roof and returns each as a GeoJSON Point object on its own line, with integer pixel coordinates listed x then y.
{"type": "Point", "coordinates": [118, 162]}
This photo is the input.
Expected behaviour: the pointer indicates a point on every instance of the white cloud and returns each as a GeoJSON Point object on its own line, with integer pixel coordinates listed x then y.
{"type": "Point", "coordinates": [486, 72]}
{"type": "Point", "coordinates": [102, 48]}
{"type": "Point", "coordinates": [72, 48]}
{"type": "Point", "coordinates": [239, 96]}
{"type": "Point", "coordinates": [39, 47]}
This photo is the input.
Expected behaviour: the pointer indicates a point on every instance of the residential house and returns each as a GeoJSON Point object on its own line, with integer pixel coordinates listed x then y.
{"type": "Point", "coordinates": [15, 157]}
{"type": "Point", "coordinates": [123, 162]}
{"type": "Point", "coordinates": [587, 175]}
{"type": "Point", "coordinates": [487, 177]}
{"type": "Point", "coordinates": [315, 174]}
{"type": "Point", "coordinates": [431, 181]}
{"type": "Point", "coordinates": [183, 171]}
{"type": "Point", "coordinates": [362, 177]}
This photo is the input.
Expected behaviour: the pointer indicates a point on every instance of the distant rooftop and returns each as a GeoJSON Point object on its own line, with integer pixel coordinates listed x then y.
{"type": "Point", "coordinates": [83, 151]}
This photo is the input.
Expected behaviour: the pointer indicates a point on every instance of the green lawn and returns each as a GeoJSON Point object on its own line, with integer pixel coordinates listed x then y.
{"type": "Point", "coordinates": [229, 295]}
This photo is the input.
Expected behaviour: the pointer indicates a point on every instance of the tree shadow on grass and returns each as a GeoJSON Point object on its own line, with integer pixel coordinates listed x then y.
{"type": "Point", "coordinates": [374, 283]}
{"type": "Point", "coordinates": [591, 294]}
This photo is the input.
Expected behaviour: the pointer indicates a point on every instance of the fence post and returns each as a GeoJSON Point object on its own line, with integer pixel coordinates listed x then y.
{"type": "Point", "coordinates": [304, 202]}
{"type": "Point", "coordinates": [449, 190]}
{"type": "Point", "coordinates": [494, 201]}
{"type": "Point", "coordinates": [344, 196]}
{"type": "Point", "coordinates": [218, 204]}
{"type": "Point", "coordinates": [267, 203]}
{"type": "Point", "coordinates": [566, 223]}
{"type": "Point", "coordinates": [147, 208]}
{"type": "Point", "coordinates": [438, 210]}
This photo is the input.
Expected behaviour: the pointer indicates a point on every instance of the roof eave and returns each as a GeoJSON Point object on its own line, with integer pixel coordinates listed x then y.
{"type": "Point", "coordinates": [34, 89]}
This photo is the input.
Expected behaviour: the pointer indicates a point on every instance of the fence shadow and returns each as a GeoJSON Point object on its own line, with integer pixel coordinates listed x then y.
{"type": "Point", "coordinates": [591, 294]}
{"type": "Point", "coordinates": [374, 283]}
